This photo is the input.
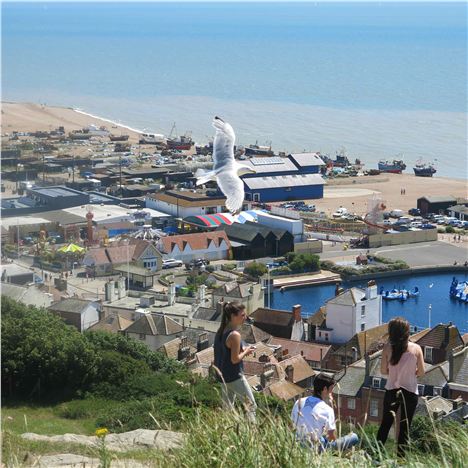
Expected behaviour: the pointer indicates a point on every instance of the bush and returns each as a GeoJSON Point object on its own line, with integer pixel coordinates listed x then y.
{"type": "Point", "coordinates": [114, 370]}
{"type": "Point", "coordinates": [104, 341]}
{"type": "Point", "coordinates": [284, 270]}
{"type": "Point", "coordinates": [87, 408]}
{"type": "Point", "coordinates": [449, 229]}
{"type": "Point", "coordinates": [255, 270]}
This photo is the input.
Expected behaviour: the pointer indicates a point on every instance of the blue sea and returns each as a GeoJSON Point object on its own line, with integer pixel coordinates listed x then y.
{"type": "Point", "coordinates": [375, 78]}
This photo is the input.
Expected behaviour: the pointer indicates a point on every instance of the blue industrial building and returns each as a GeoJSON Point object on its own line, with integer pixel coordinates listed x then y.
{"type": "Point", "coordinates": [295, 177]}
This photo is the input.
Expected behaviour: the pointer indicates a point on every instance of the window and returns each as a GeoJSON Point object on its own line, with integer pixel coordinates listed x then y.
{"type": "Point", "coordinates": [374, 408]}
{"type": "Point", "coordinates": [288, 189]}
{"type": "Point", "coordinates": [437, 391]}
{"type": "Point", "coordinates": [320, 334]}
{"type": "Point", "coordinates": [256, 197]}
{"type": "Point", "coordinates": [363, 326]}
{"type": "Point", "coordinates": [363, 311]}
{"type": "Point", "coordinates": [142, 336]}
{"type": "Point", "coordinates": [326, 337]}
{"type": "Point", "coordinates": [428, 353]}
{"type": "Point", "coordinates": [420, 389]}
{"type": "Point", "coordinates": [376, 382]}
{"type": "Point", "coordinates": [351, 403]}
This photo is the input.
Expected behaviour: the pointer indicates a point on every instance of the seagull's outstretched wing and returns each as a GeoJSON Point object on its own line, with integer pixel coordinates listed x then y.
{"type": "Point", "coordinates": [233, 188]}
{"type": "Point", "coordinates": [223, 145]}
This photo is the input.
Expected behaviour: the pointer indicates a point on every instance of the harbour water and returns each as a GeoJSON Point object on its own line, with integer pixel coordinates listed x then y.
{"type": "Point", "coordinates": [376, 78]}
{"type": "Point", "coordinates": [434, 291]}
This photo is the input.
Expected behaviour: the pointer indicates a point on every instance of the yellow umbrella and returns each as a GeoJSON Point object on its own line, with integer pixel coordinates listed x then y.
{"type": "Point", "coordinates": [71, 248]}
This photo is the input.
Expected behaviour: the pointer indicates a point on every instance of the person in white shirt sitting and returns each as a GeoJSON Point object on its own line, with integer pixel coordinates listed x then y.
{"type": "Point", "coordinates": [314, 419]}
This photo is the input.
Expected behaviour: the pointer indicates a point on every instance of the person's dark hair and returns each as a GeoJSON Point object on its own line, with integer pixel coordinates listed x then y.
{"type": "Point", "coordinates": [229, 309]}
{"type": "Point", "coordinates": [322, 381]}
{"type": "Point", "coordinates": [398, 332]}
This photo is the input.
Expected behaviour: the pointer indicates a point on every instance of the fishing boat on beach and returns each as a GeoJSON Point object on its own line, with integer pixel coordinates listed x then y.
{"type": "Point", "coordinates": [424, 169]}
{"type": "Point", "coordinates": [181, 143]}
{"type": "Point", "coordinates": [397, 166]}
{"type": "Point", "coordinates": [257, 150]}
{"type": "Point", "coordinates": [118, 137]}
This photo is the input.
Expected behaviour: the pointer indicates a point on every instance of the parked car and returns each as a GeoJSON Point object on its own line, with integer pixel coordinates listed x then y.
{"type": "Point", "coordinates": [402, 220]}
{"type": "Point", "coordinates": [414, 211]}
{"type": "Point", "coordinates": [197, 263]}
{"type": "Point", "coordinates": [340, 212]}
{"type": "Point", "coordinates": [396, 213]}
{"type": "Point", "coordinates": [427, 226]}
{"type": "Point", "coordinates": [171, 263]}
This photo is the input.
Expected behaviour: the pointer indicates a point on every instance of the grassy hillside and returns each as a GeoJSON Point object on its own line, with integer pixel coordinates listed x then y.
{"type": "Point", "coordinates": [224, 439]}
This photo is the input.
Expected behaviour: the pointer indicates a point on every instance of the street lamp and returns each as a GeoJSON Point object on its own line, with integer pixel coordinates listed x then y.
{"type": "Point", "coordinates": [127, 242]}
{"type": "Point", "coordinates": [18, 166]}
{"type": "Point", "coordinates": [430, 311]}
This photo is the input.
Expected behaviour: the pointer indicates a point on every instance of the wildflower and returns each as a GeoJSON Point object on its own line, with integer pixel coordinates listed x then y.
{"type": "Point", "coordinates": [101, 432]}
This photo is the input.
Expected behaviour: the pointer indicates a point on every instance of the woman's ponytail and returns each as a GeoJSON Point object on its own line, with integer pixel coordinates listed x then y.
{"type": "Point", "coordinates": [229, 308]}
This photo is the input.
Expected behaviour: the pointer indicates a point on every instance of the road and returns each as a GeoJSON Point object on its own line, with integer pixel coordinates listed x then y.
{"type": "Point", "coordinates": [422, 254]}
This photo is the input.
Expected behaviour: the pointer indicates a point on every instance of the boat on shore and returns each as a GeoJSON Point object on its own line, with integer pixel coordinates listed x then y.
{"type": "Point", "coordinates": [257, 150]}
{"type": "Point", "coordinates": [151, 139]}
{"type": "Point", "coordinates": [118, 137]}
{"type": "Point", "coordinates": [424, 169]}
{"type": "Point", "coordinates": [181, 143]}
{"type": "Point", "coordinates": [397, 166]}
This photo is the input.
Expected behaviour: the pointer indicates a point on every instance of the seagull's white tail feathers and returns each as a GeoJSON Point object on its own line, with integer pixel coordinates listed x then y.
{"type": "Point", "coordinates": [204, 177]}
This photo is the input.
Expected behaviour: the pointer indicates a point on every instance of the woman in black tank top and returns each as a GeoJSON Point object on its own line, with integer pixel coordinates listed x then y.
{"type": "Point", "coordinates": [229, 353]}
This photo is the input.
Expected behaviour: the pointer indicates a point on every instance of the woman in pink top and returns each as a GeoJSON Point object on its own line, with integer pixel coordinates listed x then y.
{"type": "Point", "coordinates": [403, 362]}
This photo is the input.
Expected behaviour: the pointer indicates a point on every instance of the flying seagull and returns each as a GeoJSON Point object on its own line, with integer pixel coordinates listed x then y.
{"type": "Point", "coordinates": [226, 170]}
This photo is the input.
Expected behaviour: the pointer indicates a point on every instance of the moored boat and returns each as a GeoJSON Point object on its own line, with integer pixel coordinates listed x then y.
{"type": "Point", "coordinates": [459, 290]}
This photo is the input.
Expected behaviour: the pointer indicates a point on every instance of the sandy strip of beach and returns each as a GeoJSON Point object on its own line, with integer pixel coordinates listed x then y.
{"type": "Point", "coordinates": [29, 117]}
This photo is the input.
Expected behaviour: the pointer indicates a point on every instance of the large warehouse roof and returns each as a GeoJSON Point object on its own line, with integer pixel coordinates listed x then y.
{"type": "Point", "coordinates": [283, 181]}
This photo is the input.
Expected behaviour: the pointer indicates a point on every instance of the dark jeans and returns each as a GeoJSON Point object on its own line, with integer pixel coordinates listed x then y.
{"type": "Point", "coordinates": [394, 399]}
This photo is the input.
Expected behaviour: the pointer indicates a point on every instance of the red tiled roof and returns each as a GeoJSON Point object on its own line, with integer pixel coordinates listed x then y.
{"type": "Point", "coordinates": [310, 351]}
{"type": "Point", "coordinates": [197, 241]}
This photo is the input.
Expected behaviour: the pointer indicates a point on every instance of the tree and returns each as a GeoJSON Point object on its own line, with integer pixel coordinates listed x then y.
{"type": "Point", "coordinates": [255, 270]}
{"type": "Point", "coordinates": [41, 355]}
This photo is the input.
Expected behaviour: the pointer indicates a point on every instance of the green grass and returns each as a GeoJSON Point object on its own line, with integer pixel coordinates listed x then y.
{"type": "Point", "coordinates": [43, 420]}
{"type": "Point", "coordinates": [220, 439]}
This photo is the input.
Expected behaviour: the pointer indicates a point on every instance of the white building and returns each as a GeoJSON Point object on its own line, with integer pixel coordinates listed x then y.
{"type": "Point", "coordinates": [350, 312]}
{"type": "Point", "coordinates": [294, 226]}
{"type": "Point", "coordinates": [182, 204]}
{"type": "Point", "coordinates": [186, 247]}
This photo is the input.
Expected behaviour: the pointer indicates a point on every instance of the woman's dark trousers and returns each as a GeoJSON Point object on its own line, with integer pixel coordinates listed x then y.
{"type": "Point", "coordinates": [407, 402]}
